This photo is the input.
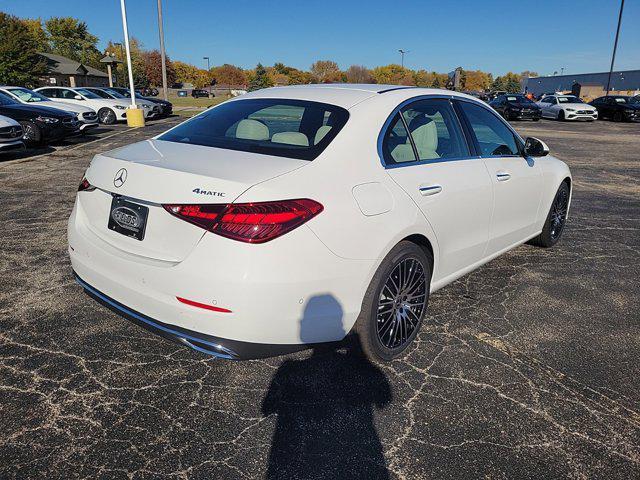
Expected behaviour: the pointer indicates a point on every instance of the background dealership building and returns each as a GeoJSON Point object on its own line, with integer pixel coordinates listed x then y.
{"type": "Point", "coordinates": [586, 85]}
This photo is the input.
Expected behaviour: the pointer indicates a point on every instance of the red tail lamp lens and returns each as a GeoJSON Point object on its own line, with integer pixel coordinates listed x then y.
{"type": "Point", "coordinates": [249, 222]}
{"type": "Point", "coordinates": [85, 186]}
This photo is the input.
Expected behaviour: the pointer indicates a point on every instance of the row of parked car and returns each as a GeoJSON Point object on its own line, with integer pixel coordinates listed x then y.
{"type": "Point", "coordinates": [618, 108]}
{"type": "Point", "coordinates": [43, 115]}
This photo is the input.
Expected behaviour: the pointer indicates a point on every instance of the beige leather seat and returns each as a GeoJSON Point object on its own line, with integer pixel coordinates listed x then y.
{"type": "Point", "coordinates": [425, 137]}
{"type": "Point", "coordinates": [249, 129]}
{"type": "Point", "coordinates": [291, 138]}
{"type": "Point", "coordinates": [322, 131]}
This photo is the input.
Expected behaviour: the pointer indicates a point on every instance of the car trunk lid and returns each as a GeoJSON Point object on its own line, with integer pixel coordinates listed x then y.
{"type": "Point", "coordinates": [152, 173]}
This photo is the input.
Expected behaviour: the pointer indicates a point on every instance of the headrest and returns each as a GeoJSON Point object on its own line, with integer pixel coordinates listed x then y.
{"type": "Point", "coordinates": [322, 131]}
{"type": "Point", "coordinates": [291, 138]}
{"type": "Point", "coordinates": [252, 130]}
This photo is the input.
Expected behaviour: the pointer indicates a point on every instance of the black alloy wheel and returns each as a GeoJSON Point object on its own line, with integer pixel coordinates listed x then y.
{"type": "Point", "coordinates": [556, 219]}
{"type": "Point", "coordinates": [107, 116]}
{"type": "Point", "coordinates": [401, 303]}
{"type": "Point", "coordinates": [395, 303]}
{"type": "Point", "coordinates": [31, 133]}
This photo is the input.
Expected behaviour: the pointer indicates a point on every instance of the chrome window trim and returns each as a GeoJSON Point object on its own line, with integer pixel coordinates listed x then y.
{"type": "Point", "coordinates": [397, 109]}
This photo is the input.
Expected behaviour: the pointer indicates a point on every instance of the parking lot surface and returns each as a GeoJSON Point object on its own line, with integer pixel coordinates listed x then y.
{"type": "Point", "coordinates": [526, 368]}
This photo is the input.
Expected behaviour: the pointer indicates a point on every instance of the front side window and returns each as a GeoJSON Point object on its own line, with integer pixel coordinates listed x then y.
{"type": "Point", "coordinates": [286, 128]}
{"type": "Point", "coordinates": [493, 136]}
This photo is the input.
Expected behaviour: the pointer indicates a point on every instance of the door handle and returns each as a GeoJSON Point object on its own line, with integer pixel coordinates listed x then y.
{"type": "Point", "coordinates": [503, 176]}
{"type": "Point", "coordinates": [426, 190]}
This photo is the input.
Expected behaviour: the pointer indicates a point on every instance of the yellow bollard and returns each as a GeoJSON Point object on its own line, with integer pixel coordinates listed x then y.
{"type": "Point", "coordinates": [135, 117]}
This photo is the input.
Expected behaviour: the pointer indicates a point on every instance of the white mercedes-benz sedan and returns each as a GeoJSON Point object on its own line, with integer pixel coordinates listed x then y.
{"type": "Point", "coordinates": [295, 215]}
{"type": "Point", "coordinates": [566, 107]}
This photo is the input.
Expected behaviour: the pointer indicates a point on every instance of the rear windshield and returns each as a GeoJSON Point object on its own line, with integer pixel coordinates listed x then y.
{"type": "Point", "coordinates": [286, 128]}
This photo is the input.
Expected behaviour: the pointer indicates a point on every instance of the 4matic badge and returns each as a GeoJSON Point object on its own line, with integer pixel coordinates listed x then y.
{"type": "Point", "coordinates": [202, 191]}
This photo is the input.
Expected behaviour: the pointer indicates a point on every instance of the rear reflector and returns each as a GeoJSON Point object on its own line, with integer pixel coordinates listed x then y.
{"type": "Point", "coordinates": [203, 305]}
{"type": "Point", "coordinates": [249, 222]}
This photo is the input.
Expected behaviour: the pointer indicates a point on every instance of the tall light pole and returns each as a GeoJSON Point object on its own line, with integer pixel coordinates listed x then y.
{"type": "Point", "coordinates": [561, 70]}
{"type": "Point", "coordinates": [128, 50]}
{"type": "Point", "coordinates": [135, 116]}
{"type": "Point", "coordinates": [208, 68]}
{"type": "Point", "coordinates": [615, 47]}
{"type": "Point", "coordinates": [402, 52]}
{"type": "Point", "coordinates": [162, 53]}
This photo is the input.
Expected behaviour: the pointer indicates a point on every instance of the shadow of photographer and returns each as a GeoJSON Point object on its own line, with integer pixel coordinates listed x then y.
{"type": "Point", "coordinates": [324, 406]}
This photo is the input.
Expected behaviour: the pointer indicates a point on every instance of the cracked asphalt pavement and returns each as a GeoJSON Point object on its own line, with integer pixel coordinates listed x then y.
{"type": "Point", "coordinates": [526, 368]}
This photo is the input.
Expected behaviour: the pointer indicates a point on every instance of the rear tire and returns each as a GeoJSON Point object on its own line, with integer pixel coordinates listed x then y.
{"type": "Point", "coordinates": [506, 114]}
{"type": "Point", "coordinates": [395, 303]}
{"type": "Point", "coordinates": [32, 134]}
{"type": "Point", "coordinates": [556, 219]}
{"type": "Point", "coordinates": [561, 115]}
{"type": "Point", "coordinates": [107, 116]}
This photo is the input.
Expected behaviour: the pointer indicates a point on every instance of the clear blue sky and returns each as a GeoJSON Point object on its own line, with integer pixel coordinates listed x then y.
{"type": "Point", "coordinates": [491, 35]}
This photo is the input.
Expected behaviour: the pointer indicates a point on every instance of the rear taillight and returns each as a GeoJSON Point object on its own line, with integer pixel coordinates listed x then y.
{"type": "Point", "coordinates": [249, 222]}
{"type": "Point", "coordinates": [85, 186]}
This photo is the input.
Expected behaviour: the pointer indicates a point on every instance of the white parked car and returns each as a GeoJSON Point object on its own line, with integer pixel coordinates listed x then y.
{"type": "Point", "coordinates": [567, 107]}
{"type": "Point", "coordinates": [150, 109]}
{"type": "Point", "coordinates": [109, 111]}
{"type": "Point", "coordinates": [10, 134]}
{"type": "Point", "coordinates": [87, 117]}
{"type": "Point", "coordinates": [295, 215]}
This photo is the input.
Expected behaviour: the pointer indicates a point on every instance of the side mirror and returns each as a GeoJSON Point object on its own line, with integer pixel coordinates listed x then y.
{"type": "Point", "coordinates": [77, 97]}
{"type": "Point", "coordinates": [535, 148]}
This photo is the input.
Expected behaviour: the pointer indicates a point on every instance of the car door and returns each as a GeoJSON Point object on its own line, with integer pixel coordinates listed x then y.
{"type": "Point", "coordinates": [550, 107]}
{"type": "Point", "coordinates": [517, 181]}
{"type": "Point", "coordinates": [434, 166]}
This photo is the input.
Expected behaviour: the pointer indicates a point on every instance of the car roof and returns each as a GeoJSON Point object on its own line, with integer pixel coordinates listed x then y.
{"type": "Point", "coordinates": [346, 95]}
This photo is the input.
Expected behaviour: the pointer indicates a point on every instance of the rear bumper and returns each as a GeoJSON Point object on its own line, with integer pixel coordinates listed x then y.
{"type": "Point", "coordinates": [215, 346]}
{"type": "Point", "coordinates": [282, 295]}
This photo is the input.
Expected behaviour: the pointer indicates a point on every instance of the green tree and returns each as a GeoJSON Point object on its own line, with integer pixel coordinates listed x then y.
{"type": "Point", "coordinates": [509, 82]}
{"type": "Point", "coordinates": [393, 74]}
{"type": "Point", "coordinates": [153, 68]}
{"type": "Point", "coordinates": [20, 63]}
{"type": "Point", "coordinates": [476, 80]}
{"type": "Point", "coordinates": [228, 75]}
{"type": "Point", "coordinates": [137, 62]}
{"type": "Point", "coordinates": [71, 38]}
{"type": "Point", "coordinates": [358, 74]}
{"type": "Point", "coordinates": [40, 36]}
{"type": "Point", "coordinates": [326, 71]}
{"type": "Point", "coordinates": [259, 79]}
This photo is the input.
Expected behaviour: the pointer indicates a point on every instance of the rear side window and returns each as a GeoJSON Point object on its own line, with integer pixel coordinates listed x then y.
{"type": "Point", "coordinates": [286, 128]}
{"type": "Point", "coordinates": [433, 133]}
{"type": "Point", "coordinates": [494, 137]}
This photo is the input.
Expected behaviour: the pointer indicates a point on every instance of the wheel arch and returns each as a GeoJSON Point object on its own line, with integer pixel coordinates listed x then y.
{"type": "Point", "coordinates": [424, 243]}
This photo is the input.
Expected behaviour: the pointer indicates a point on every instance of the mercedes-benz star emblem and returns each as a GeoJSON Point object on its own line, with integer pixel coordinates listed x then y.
{"type": "Point", "coordinates": [120, 178]}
